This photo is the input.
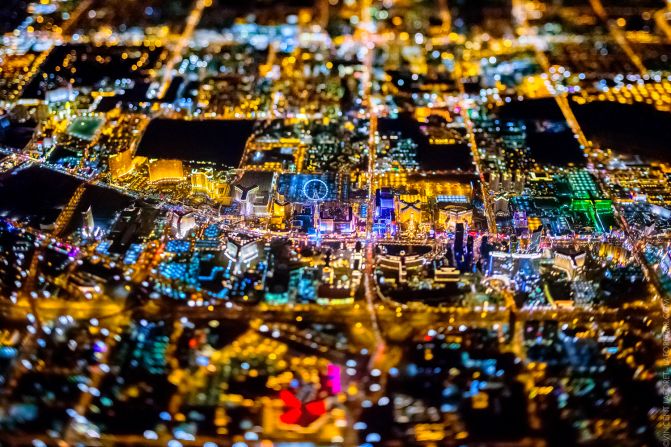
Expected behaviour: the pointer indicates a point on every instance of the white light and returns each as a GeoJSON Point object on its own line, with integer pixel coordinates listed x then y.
{"type": "Point", "coordinates": [150, 434]}
{"type": "Point", "coordinates": [373, 437]}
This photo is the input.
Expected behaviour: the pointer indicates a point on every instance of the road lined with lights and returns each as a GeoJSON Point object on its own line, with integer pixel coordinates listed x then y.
{"type": "Point", "coordinates": [662, 20]}
{"type": "Point", "coordinates": [182, 43]}
{"type": "Point", "coordinates": [618, 35]}
{"type": "Point", "coordinates": [366, 31]}
{"type": "Point", "coordinates": [475, 152]}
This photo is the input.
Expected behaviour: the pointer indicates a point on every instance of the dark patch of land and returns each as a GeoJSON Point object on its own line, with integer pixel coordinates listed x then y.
{"type": "Point", "coordinates": [218, 141]}
{"type": "Point", "coordinates": [636, 129]}
{"type": "Point", "coordinates": [442, 157]}
{"type": "Point", "coordinates": [35, 195]}
{"type": "Point", "coordinates": [548, 135]}
{"type": "Point", "coordinates": [93, 66]}
{"type": "Point", "coordinates": [12, 13]}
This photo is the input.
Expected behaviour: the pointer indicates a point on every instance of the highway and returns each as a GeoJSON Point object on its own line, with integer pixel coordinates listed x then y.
{"type": "Point", "coordinates": [618, 35]}
{"type": "Point", "coordinates": [416, 315]}
{"type": "Point", "coordinates": [365, 33]}
{"type": "Point", "coordinates": [83, 7]}
{"type": "Point", "coordinates": [489, 212]}
{"type": "Point", "coordinates": [182, 43]}
{"type": "Point", "coordinates": [561, 98]}
{"type": "Point", "coordinates": [662, 20]}
{"type": "Point", "coordinates": [445, 16]}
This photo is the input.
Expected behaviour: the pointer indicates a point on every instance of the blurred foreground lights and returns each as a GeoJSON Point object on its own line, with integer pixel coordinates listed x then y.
{"type": "Point", "coordinates": [151, 435]}
{"type": "Point", "coordinates": [373, 437]}
{"type": "Point", "coordinates": [360, 426]}
{"type": "Point", "coordinates": [183, 435]}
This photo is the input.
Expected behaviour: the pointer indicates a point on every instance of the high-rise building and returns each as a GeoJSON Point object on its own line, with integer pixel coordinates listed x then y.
{"type": "Point", "coordinates": [121, 164]}
{"type": "Point", "coordinates": [165, 171]}
{"type": "Point", "coordinates": [88, 223]}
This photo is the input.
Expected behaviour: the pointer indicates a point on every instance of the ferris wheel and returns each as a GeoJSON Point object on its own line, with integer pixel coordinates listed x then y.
{"type": "Point", "coordinates": [315, 190]}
